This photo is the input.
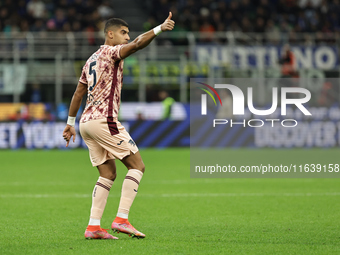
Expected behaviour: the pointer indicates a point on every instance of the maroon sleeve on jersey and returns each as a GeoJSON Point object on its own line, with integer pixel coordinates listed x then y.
{"type": "Point", "coordinates": [83, 78]}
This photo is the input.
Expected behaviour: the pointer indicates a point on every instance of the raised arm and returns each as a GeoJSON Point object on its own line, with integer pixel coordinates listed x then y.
{"type": "Point", "coordinates": [144, 39]}
{"type": "Point", "coordinates": [78, 95]}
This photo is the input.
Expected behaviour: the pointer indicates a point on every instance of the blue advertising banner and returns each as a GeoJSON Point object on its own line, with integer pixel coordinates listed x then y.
{"type": "Point", "coordinates": [48, 135]}
{"type": "Point", "coordinates": [162, 134]}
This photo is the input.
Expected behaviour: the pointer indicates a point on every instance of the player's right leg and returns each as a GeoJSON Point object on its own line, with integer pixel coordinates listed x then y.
{"type": "Point", "coordinates": [107, 172]}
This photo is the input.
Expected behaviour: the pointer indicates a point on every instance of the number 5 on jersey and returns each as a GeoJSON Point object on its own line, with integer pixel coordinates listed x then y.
{"type": "Point", "coordinates": [93, 71]}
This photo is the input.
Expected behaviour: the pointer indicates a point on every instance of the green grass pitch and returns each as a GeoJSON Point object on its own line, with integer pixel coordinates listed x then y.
{"type": "Point", "coordinates": [45, 200]}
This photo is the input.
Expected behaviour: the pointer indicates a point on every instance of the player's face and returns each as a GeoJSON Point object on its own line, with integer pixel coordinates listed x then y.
{"type": "Point", "coordinates": [121, 35]}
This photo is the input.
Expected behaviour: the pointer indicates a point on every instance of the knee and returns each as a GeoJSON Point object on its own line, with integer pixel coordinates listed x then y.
{"type": "Point", "coordinates": [110, 176]}
{"type": "Point", "coordinates": [142, 168]}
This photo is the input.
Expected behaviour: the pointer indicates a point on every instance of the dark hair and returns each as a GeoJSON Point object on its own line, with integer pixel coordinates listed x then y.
{"type": "Point", "coordinates": [114, 22]}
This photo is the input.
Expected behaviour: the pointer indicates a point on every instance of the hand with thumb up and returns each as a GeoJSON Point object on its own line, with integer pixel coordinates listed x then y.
{"type": "Point", "coordinates": [168, 24]}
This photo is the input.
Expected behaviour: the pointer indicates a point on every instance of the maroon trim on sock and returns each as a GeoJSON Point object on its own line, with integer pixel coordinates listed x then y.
{"type": "Point", "coordinates": [132, 179]}
{"type": "Point", "coordinates": [103, 186]}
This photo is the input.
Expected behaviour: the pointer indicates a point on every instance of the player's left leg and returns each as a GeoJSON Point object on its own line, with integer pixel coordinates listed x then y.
{"type": "Point", "coordinates": [136, 168]}
{"type": "Point", "coordinates": [107, 172]}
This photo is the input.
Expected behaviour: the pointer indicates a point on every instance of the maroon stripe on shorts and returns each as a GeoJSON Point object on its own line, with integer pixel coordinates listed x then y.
{"type": "Point", "coordinates": [132, 179]}
{"type": "Point", "coordinates": [113, 125]}
{"type": "Point", "coordinates": [103, 186]}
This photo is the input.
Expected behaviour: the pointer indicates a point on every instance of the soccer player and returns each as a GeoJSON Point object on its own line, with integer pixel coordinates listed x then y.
{"type": "Point", "coordinates": [105, 137]}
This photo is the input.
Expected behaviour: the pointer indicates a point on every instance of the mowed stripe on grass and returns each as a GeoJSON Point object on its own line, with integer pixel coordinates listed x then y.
{"type": "Point", "coordinates": [172, 195]}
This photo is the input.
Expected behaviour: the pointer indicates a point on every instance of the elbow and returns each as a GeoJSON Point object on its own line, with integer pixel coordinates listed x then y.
{"type": "Point", "coordinates": [78, 96]}
{"type": "Point", "coordinates": [139, 45]}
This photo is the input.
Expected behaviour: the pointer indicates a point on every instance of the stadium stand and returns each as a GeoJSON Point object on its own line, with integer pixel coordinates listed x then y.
{"type": "Point", "coordinates": [64, 15]}
{"type": "Point", "coordinates": [205, 15]}
{"type": "Point", "coordinates": [251, 16]}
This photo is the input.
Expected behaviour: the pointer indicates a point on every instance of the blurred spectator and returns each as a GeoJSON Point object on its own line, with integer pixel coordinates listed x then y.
{"type": "Point", "coordinates": [67, 27]}
{"type": "Point", "coordinates": [47, 116]}
{"type": "Point", "coordinates": [24, 26]}
{"type": "Point", "coordinates": [51, 25]}
{"type": "Point", "coordinates": [246, 9]}
{"type": "Point", "coordinates": [216, 18]}
{"type": "Point", "coordinates": [259, 26]}
{"type": "Point", "coordinates": [36, 93]}
{"type": "Point", "coordinates": [314, 3]}
{"type": "Point", "coordinates": [167, 103]}
{"type": "Point", "coordinates": [324, 8]}
{"type": "Point", "coordinates": [246, 25]}
{"type": "Point", "coordinates": [207, 31]}
{"type": "Point", "coordinates": [139, 113]}
{"type": "Point", "coordinates": [266, 8]}
{"type": "Point", "coordinates": [335, 22]}
{"type": "Point", "coordinates": [21, 9]}
{"type": "Point", "coordinates": [284, 27]}
{"type": "Point", "coordinates": [15, 117]}
{"type": "Point", "coordinates": [272, 31]}
{"type": "Point", "coordinates": [235, 10]}
{"type": "Point", "coordinates": [10, 25]}
{"type": "Point", "coordinates": [62, 5]}
{"type": "Point", "coordinates": [149, 24]}
{"type": "Point", "coordinates": [11, 6]}
{"type": "Point", "coordinates": [36, 8]}
{"type": "Point", "coordinates": [335, 7]}
{"type": "Point", "coordinates": [287, 62]}
{"type": "Point", "coordinates": [38, 26]}
{"type": "Point", "coordinates": [327, 95]}
{"type": "Point", "coordinates": [78, 5]}
{"type": "Point", "coordinates": [76, 26]}
{"type": "Point", "coordinates": [4, 15]}
{"type": "Point", "coordinates": [71, 15]}
{"type": "Point", "coordinates": [59, 19]}
{"type": "Point", "coordinates": [234, 27]}
{"type": "Point", "coordinates": [105, 10]}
